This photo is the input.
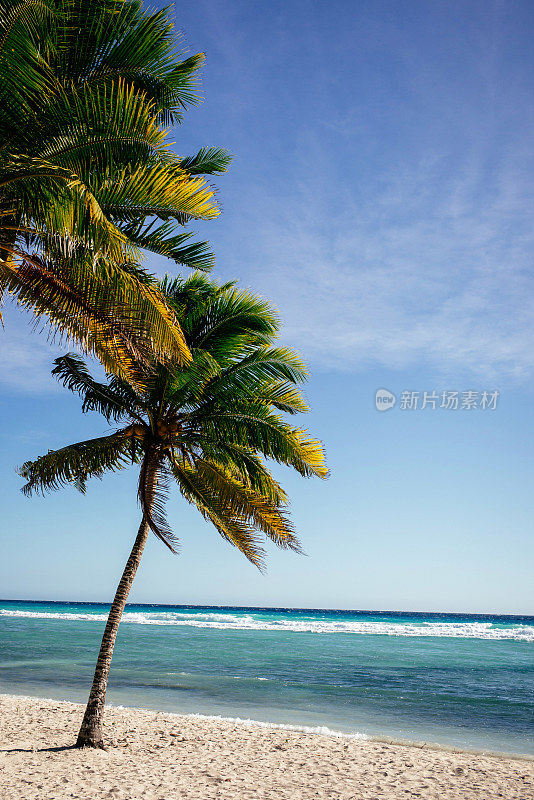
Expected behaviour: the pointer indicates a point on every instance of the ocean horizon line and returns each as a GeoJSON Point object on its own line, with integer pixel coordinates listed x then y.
{"type": "Point", "coordinates": [292, 609]}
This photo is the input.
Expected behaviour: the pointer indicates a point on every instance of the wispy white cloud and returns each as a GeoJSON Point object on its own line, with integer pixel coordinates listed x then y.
{"type": "Point", "coordinates": [430, 264]}
{"type": "Point", "coordinates": [388, 207]}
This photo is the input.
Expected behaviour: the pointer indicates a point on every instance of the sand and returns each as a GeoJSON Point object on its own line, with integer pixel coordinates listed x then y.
{"type": "Point", "coordinates": [165, 757]}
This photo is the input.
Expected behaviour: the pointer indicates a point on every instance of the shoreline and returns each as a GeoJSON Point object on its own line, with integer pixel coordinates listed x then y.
{"type": "Point", "coordinates": [310, 730]}
{"type": "Point", "coordinates": [318, 730]}
{"type": "Point", "coordinates": [155, 755]}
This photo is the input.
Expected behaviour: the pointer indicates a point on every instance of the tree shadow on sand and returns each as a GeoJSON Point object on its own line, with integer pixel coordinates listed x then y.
{"type": "Point", "coordinates": [37, 749]}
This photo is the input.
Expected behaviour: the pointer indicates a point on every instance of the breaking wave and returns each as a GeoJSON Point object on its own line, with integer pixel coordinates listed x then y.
{"type": "Point", "coordinates": [287, 624]}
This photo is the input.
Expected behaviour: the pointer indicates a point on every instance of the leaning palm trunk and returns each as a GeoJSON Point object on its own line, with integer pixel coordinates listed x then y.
{"type": "Point", "coordinates": [90, 734]}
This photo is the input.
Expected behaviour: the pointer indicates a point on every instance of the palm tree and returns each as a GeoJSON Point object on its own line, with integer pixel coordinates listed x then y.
{"type": "Point", "coordinates": [87, 180]}
{"type": "Point", "coordinates": [206, 426]}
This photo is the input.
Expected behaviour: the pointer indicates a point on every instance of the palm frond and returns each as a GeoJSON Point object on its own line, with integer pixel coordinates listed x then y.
{"type": "Point", "coordinates": [162, 190]}
{"type": "Point", "coordinates": [252, 507]}
{"type": "Point", "coordinates": [227, 522]}
{"type": "Point", "coordinates": [124, 322]}
{"type": "Point", "coordinates": [255, 426]}
{"type": "Point", "coordinates": [251, 377]}
{"type": "Point", "coordinates": [86, 89]}
{"type": "Point", "coordinates": [163, 240]}
{"type": "Point", "coordinates": [181, 88]}
{"type": "Point", "coordinates": [25, 75]}
{"type": "Point", "coordinates": [193, 296]}
{"type": "Point", "coordinates": [72, 372]}
{"type": "Point", "coordinates": [185, 387]}
{"type": "Point", "coordinates": [244, 464]}
{"type": "Point", "coordinates": [70, 314]}
{"type": "Point", "coordinates": [75, 464]}
{"type": "Point", "coordinates": [208, 161]}
{"type": "Point", "coordinates": [282, 395]}
{"type": "Point", "coordinates": [153, 491]}
{"type": "Point", "coordinates": [53, 205]}
{"type": "Point", "coordinates": [227, 323]}
{"type": "Point", "coordinates": [115, 125]}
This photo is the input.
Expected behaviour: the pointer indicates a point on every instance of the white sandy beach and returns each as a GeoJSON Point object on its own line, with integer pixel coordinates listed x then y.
{"type": "Point", "coordinates": [157, 756]}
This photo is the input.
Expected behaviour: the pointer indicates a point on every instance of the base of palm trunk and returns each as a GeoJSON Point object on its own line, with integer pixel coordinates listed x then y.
{"type": "Point", "coordinates": [88, 741]}
{"type": "Point", "coordinates": [90, 736]}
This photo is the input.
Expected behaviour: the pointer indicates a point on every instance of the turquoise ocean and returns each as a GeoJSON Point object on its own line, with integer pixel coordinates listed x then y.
{"type": "Point", "coordinates": [454, 679]}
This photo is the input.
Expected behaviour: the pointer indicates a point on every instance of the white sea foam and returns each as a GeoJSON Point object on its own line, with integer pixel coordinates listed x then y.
{"type": "Point", "coordinates": [287, 624]}
{"type": "Point", "coordinates": [322, 730]}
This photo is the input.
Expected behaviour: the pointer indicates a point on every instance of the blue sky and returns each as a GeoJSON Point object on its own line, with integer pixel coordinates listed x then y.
{"type": "Point", "coordinates": [382, 197]}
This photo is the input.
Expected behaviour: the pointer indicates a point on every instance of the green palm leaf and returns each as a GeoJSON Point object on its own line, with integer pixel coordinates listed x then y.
{"type": "Point", "coordinates": [208, 161]}
{"type": "Point", "coordinates": [226, 519]}
{"type": "Point", "coordinates": [114, 405]}
{"type": "Point", "coordinates": [85, 168]}
{"type": "Point", "coordinates": [75, 464]}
